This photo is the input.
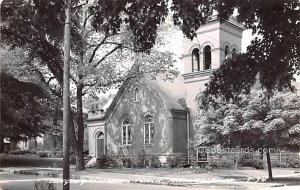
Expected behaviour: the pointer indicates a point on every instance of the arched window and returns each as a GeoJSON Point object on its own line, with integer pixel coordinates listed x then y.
{"type": "Point", "coordinates": [136, 94]}
{"type": "Point", "coordinates": [226, 51]}
{"type": "Point", "coordinates": [100, 135]}
{"type": "Point", "coordinates": [148, 130]}
{"type": "Point", "coordinates": [126, 132]}
{"type": "Point", "coordinates": [100, 147]}
{"type": "Point", "coordinates": [195, 60]}
{"type": "Point", "coordinates": [234, 53]}
{"type": "Point", "coordinates": [207, 57]}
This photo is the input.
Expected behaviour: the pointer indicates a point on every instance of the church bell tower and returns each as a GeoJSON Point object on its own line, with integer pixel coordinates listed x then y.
{"type": "Point", "coordinates": [213, 43]}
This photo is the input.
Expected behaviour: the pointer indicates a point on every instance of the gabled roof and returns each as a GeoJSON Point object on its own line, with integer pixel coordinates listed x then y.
{"type": "Point", "coordinates": [170, 92]}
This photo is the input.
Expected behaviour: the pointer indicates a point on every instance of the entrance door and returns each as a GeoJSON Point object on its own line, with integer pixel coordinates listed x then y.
{"type": "Point", "coordinates": [100, 144]}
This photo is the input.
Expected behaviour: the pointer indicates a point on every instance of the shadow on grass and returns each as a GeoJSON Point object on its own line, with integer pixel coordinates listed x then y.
{"type": "Point", "coordinates": [287, 180]}
{"type": "Point", "coordinates": [26, 160]}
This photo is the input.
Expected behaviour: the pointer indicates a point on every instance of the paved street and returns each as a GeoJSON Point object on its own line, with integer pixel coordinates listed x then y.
{"type": "Point", "coordinates": [10, 181]}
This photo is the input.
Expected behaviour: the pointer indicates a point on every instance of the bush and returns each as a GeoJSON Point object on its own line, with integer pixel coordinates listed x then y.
{"type": "Point", "coordinates": [249, 161]}
{"type": "Point", "coordinates": [139, 162]}
{"type": "Point", "coordinates": [43, 154]}
{"type": "Point", "coordinates": [173, 161]}
{"type": "Point", "coordinates": [280, 165]}
{"type": "Point", "coordinates": [112, 162]}
{"type": "Point", "coordinates": [127, 162]}
{"type": "Point", "coordinates": [221, 164]}
{"type": "Point", "coordinates": [294, 162]}
{"type": "Point", "coordinates": [155, 162]}
{"type": "Point", "coordinates": [55, 153]}
{"type": "Point", "coordinates": [106, 161]}
{"type": "Point", "coordinates": [18, 152]}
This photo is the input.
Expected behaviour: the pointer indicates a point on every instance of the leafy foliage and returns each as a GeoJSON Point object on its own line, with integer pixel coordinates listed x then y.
{"type": "Point", "coordinates": [273, 56]}
{"type": "Point", "coordinates": [97, 57]}
{"type": "Point", "coordinates": [142, 17]}
{"type": "Point", "coordinates": [273, 121]}
{"type": "Point", "coordinates": [22, 108]}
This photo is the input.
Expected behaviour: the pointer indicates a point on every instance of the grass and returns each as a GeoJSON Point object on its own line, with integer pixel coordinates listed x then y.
{"type": "Point", "coordinates": [26, 160]}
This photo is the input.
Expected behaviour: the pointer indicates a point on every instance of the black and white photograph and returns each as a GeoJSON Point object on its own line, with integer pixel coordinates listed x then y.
{"type": "Point", "coordinates": [150, 94]}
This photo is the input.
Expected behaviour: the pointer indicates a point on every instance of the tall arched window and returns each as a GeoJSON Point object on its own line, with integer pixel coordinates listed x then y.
{"type": "Point", "coordinates": [234, 53]}
{"type": "Point", "coordinates": [126, 132]}
{"type": "Point", "coordinates": [207, 57]}
{"type": "Point", "coordinates": [136, 94]}
{"type": "Point", "coordinates": [226, 51]}
{"type": "Point", "coordinates": [148, 130]}
{"type": "Point", "coordinates": [195, 60]}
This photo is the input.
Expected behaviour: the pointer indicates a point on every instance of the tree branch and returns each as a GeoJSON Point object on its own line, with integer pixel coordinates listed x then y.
{"type": "Point", "coordinates": [106, 55]}
{"type": "Point", "coordinates": [96, 48]}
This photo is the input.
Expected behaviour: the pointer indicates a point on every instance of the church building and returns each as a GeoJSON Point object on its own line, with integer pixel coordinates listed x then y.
{"type": "Point", "coordinates": [155, 117]}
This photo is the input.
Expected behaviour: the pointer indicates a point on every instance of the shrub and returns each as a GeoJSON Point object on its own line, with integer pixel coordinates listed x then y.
{"type": "Point", "coordinates": [249, 161]}
{"type": "Point", "coordinates": [112, 162]}
{"type": "Point", "coordinates": [106, 161]}
{"type": "Point", "coordinates": [221, 164]}
{"type": "Point", "coordinates": [173, 161]}
{"type": "Point", "coordinates": [43, 154]}
{"type": "Point", "coordinates": [55, 154]}
{"type": "Point", "coordinates": [140, 161]}
{"type": "Point", "coordinates": [17, 152]}
{"type": "Point", "coordinates": [127, 162]}
{"type": "Point", "coordinates": [155, 162]}
{"type": "Point", "coordinates": [294, 162]}
{"type": "Point", "coordinates": [281, 165]}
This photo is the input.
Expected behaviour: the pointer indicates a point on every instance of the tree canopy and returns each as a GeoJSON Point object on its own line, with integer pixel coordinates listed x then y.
{"type": "Point", "coordinates": [23, 107]}
{"type": "Point", "coordinates": [273, 121]}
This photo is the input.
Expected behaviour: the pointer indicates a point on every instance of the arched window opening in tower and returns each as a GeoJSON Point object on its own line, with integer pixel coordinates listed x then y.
{"type": "Point", "coordinates": [195, 60]}
{"type": "Point", "coordinates": [226, 52]}
{"type": "Point", "coordinates": [207, 57]}
{"type": "Point", "coordinates": [234, 53]}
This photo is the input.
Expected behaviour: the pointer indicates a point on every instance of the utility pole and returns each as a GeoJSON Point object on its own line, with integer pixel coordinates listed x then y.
{"type": "Point", "coordinates": [66, 98]}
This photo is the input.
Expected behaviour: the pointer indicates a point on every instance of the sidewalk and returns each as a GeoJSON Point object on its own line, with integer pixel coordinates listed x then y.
{"type": "Point", "coordinates": [168, 176]}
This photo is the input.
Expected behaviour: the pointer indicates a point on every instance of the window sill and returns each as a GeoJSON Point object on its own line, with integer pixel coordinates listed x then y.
{"type": "Point", "coordinates": [146, 145]}
{"type": "Point", "coordinates": [125, 145]}
{"type": "Point", "coordinates": [135, 101]}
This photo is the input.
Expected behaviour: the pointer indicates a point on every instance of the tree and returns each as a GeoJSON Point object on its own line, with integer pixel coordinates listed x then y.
{"type": "Point", "coordinates": [23, 96]}
{"type": "Point", "coordinates": [92, 52]}
{"type": "Point", "coordinates": [38, 25]}
{"type": "Point", "coordinates": [273, 121]}
{"type": "Point", "coordinates": [273, 56]}
{"type": "Point", "coordinates": [22, 109]}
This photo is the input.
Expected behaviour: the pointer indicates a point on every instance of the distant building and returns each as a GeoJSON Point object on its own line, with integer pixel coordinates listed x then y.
{"type": "Point", "coordinates": [155, 117]}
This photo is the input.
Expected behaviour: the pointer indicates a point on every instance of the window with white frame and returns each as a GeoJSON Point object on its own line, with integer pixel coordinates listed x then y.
{"type": "Point", "coordinates": [126, 132]}
{"type": "Point", "coordinates": [148, 130]}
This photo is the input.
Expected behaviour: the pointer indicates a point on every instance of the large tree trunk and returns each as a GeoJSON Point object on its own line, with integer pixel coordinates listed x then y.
{"type": "Point", "coordinates": [1, 140]}
{"type": "Point", "coordinates": [80, 131]}
{"type": "Point", "coordinates": [269, 165]}
{"type": "Point", "coordinates": [1, 144]}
